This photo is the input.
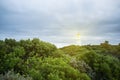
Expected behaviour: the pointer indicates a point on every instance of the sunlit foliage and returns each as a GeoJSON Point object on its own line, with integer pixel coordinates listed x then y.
{"type": "Point", "coordinates": [38, 60]}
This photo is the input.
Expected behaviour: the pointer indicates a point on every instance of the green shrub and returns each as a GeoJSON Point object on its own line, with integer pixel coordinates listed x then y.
{"type": "Point", "coordinates": [10, 75]}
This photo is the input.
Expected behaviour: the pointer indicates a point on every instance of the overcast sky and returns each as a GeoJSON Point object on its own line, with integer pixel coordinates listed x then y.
{"type": "Point", "coordinates": [58, 21]}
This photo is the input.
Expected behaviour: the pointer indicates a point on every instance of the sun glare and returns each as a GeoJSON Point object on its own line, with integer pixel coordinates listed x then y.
{"type": "Point", "coordinates": [78, 40]}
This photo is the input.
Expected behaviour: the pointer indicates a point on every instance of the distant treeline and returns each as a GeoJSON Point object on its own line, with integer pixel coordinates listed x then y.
{"type": "Point", "coordinates": [38, 60]}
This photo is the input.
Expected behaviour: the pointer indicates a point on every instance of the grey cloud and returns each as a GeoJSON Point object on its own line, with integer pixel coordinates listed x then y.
{"type": "Point", "coordinates": [59, 21]}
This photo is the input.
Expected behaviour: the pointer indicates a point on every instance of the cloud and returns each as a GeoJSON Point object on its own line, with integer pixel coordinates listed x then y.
{"type": "Point", "coordinates": [58, 21]}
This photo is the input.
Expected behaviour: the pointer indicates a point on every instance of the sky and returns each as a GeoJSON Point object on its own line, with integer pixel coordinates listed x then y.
{"type": "Point", "coordinates": [59, 21]}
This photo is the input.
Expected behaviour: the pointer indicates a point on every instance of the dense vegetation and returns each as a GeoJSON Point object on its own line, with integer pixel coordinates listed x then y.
{"type": "Point", "coordinates": [38, 60]}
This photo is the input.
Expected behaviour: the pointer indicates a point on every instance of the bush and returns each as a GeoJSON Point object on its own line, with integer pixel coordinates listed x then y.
{"type": "Point", "coordinates": [10, 75]}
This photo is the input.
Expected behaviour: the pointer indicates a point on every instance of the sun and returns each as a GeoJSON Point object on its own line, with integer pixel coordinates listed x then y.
{"type": "Point", "coordinates": [78, 40]}
{"type": "Point", "coordinates": [78, 35]}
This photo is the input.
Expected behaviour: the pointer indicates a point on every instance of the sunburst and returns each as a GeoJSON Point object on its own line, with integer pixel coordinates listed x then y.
{"type": "Point", "coordinates": [78, 41]}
